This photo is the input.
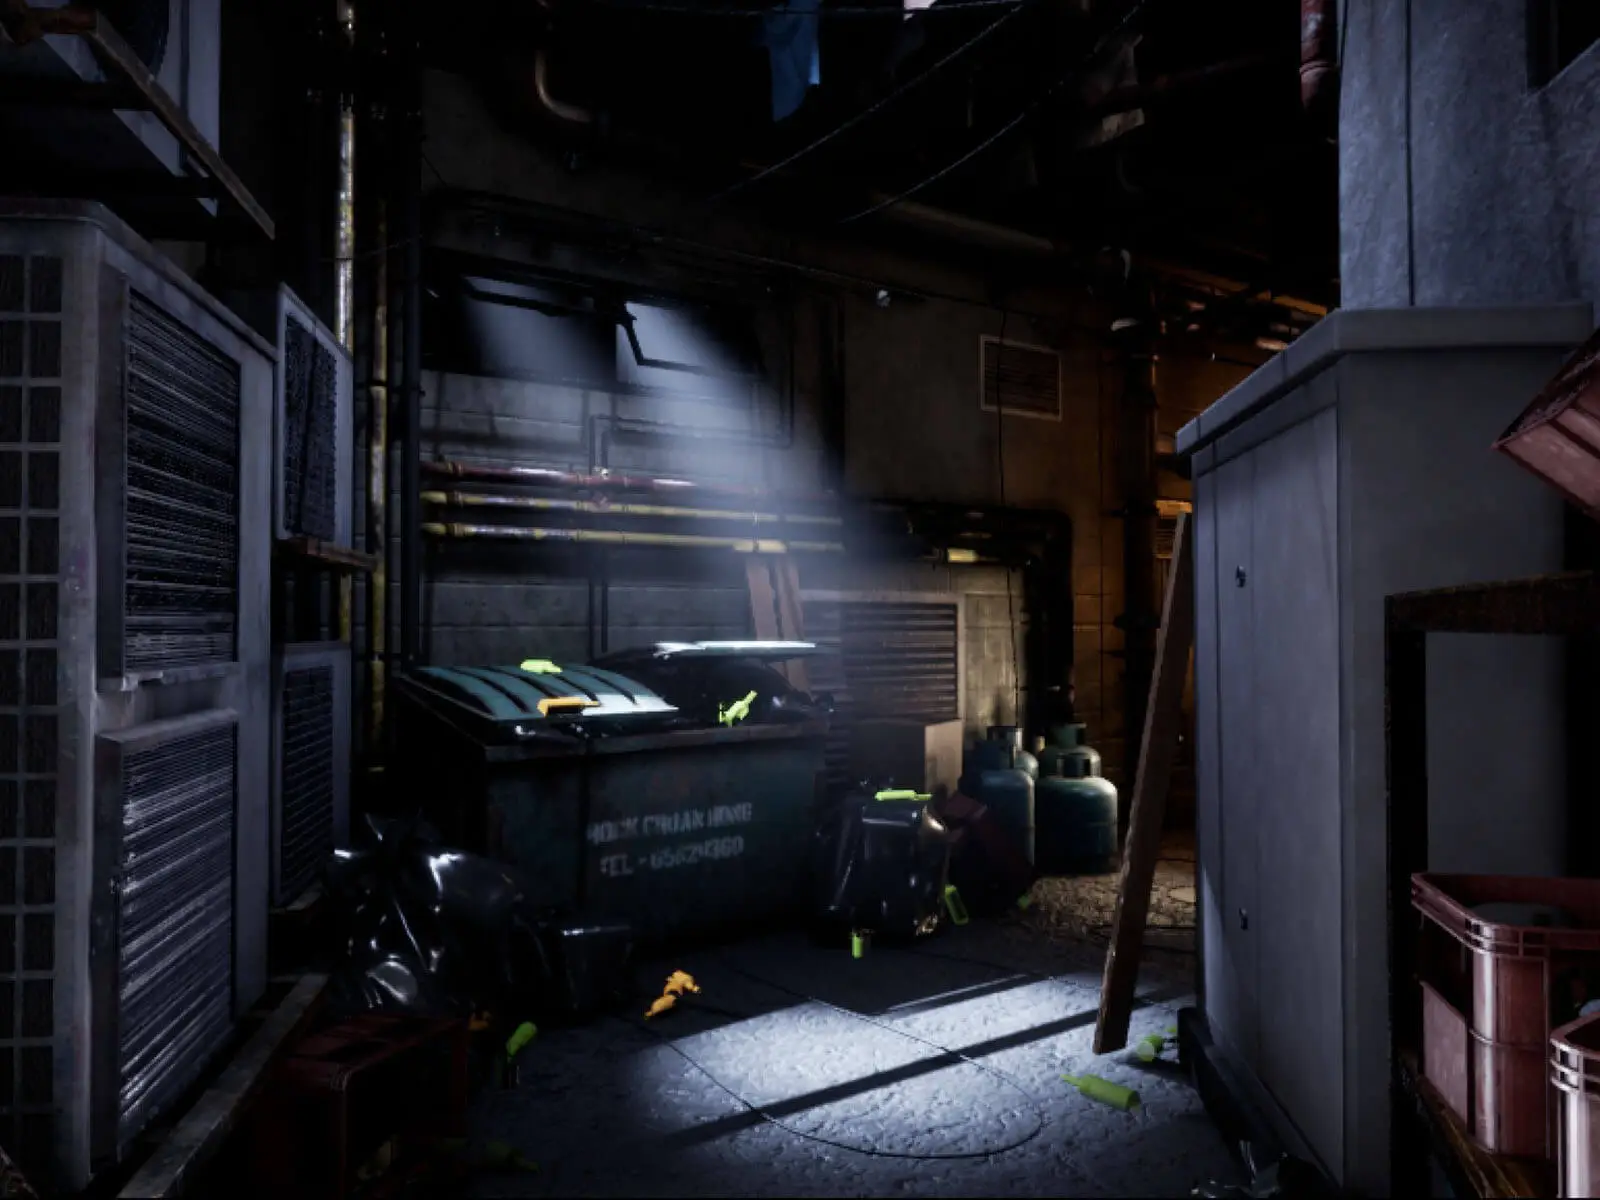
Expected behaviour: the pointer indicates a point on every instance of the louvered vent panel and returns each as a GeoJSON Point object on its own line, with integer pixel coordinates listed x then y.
{"type": "Point", "coordinates": [1025, 380]}
{"type": "Point", "coordinates": [310, 413]}
{"type": "Point", "coordinates": [182, 588]}
{"type": "Point", "coordinates": [883, 659]}
{"type": "Point", "coordinates": [175, 917]}
{"type": "Point", "coordinates": [30, 495]}
{"type": "Point", "coordinates": [306, 774]}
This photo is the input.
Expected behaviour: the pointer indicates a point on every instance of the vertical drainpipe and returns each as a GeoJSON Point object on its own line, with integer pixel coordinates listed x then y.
{"type": "Point", "coordinates": [411, 450]}
{"type": "Point", "coordinates": [378, 483]}
{"type": "Point", "coordinates": [344, 292]}
{"type": "Point", "coordinates": [1135, 337]}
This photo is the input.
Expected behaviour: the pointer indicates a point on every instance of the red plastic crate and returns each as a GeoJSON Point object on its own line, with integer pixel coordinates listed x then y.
{"type": "Point", "coordinates": [346, 1090]}
{"type": "Point", "coordinates": [1575, 1076]}
{"type": "Point", "coordinates": [1491, 994]}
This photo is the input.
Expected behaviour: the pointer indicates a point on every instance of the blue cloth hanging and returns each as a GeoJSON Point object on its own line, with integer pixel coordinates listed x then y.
{"type": "Point", "coordinates": [790, 36]}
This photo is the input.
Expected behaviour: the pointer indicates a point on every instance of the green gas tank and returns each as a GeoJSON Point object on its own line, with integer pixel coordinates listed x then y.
{"type": "Point", "coordinates": [1075, 816]}
{"type": "Point", "coordinates": [1008, 793]}
{"type": "Point", "coordinates": [1070, 742]}
{"type": "Point", "coordinates": [999, 750]}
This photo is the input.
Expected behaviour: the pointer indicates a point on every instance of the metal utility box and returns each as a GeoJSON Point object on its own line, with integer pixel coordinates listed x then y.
{"type": "Point", "coordinates": [579, 777]}
{"type": "Point", "coordinates": [135, 559]}
{"type": "Point", "coordinates": [1358, 464]}
{"type": "Point", "coordinates": [924, 756]}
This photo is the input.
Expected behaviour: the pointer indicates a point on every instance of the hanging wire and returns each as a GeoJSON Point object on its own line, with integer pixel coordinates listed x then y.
{"type": "Point", "coordinates": [1032, 107]}
{"type": "Point", "coordinates": [1016, 7]}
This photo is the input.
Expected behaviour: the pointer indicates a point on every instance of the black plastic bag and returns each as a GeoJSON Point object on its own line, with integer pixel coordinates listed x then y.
{"type": "Point", "coordinates": [880, 867]}
{"type": "Point", "coordinates": [428, 929]}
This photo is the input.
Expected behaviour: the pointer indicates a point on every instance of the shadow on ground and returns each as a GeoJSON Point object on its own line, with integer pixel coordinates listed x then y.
{"type": "Point", "coordinates": [930, 1071]}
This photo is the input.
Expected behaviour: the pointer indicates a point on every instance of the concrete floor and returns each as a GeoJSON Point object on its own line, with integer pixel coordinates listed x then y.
{"type": "Point", "coordinates": [950, 1086]}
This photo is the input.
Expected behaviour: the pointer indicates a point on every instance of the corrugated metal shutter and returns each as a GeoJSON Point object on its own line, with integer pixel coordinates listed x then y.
{"type": "Point", "coordinates": [883, 658]}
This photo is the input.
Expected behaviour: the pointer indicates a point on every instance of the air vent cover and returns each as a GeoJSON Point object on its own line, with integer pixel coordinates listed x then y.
{"type": "Point", "coordinates": [311, 763]}
{"type": "Point", "coordinates": [883, 659]}
{"type": "Point", "coordinates": [181, 598]}
{"type": "Point", "coordinates": [306, 766]}
{"type": "Point", "coordinates": [175, 916]}
{"type": "Point", "coordinates": [310, 453]}
{"type": "Point", "coordinates": [1024, 381]}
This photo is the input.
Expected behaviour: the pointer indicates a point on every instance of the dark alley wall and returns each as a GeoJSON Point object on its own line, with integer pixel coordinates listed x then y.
{"type": "Point", "coordinates": [914, 429]}
{"type": "Point", "coordinates": [1465, 176]}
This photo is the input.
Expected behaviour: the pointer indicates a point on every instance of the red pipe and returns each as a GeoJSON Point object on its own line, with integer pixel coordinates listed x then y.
{"type": "Point", "coordinates": [1319, 65]}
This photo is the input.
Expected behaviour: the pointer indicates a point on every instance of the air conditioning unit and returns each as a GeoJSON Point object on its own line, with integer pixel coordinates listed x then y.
{"type": "Point", "coordinates": [134, 665]}
{"type": "Point", "coordinates": [310, 763]}
{"type": "Point", "coordinates": [313, 428]}
{"type": "Point", "coordinates": [180, 41]}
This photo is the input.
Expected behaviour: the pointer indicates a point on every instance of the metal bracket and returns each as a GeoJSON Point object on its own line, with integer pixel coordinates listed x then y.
{"type": "Point", "coordinates": [131, 85]}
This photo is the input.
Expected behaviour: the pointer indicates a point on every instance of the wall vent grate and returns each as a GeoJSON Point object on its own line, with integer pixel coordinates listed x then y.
{"type": "Point", "coordinates": [883, 658]}
{"type": "Point", "coordinates": [181, 597]}
{"type": "Point", "coordinates": [306, 774]}
{"type": "Point", "coordinates": [174, 917]}
{"type": "Point", "coordinates": [310, 415]}
{"type": "Point", "coordinates": [1020, 380]}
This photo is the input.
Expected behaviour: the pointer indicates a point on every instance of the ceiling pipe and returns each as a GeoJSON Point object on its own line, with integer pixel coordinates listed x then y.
{"type": "Point", "coordinates": [570, 114]}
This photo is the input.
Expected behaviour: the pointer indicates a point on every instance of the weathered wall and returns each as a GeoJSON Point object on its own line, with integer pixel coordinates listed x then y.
{"type": "Point", "coordinates": [914, 429]}
{"type": "Point", "coordinates": [1460, 182]}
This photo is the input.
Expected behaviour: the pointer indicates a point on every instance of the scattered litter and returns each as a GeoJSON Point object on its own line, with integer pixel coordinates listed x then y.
{"type": "Point", "coordinates": [540, 666]}
{"type": "Point", "coordinates": [678, 985]}
{"type": "Point", "coordinates": [492, 1156]}
{"type": "Point", "coordinates": [1153, 1045]}
{"type": "Point", "coordinates": [1103, 1090]}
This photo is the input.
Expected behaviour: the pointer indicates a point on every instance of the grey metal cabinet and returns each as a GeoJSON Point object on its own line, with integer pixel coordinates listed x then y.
{"type": "Point", "coordinates": [1354, 465]}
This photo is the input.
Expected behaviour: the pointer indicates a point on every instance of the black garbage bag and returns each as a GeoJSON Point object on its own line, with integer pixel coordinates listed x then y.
{"type": "Point", "coordinates": [880, 867]}
{"type": "Point", "coordinates": [428, 929]}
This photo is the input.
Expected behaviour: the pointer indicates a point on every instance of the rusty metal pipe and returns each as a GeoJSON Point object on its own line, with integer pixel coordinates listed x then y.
{"type": "Point", "coordinates": [1319, 53]}
{"type": "Point", "coordinates": [605, 508]}
{"type": "Point", "coordinates": [610, 481]}
{"type": "Point", "coordinates": [619, 537]}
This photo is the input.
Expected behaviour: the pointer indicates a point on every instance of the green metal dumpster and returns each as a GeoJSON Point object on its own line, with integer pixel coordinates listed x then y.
{"type": "Point", "coordinates": [608, 798]}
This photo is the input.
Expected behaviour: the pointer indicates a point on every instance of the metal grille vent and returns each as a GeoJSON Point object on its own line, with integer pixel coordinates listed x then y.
{"type": "Point", "coordinates": [175, 917]}
{"type": "Point", "coordinates": [883, 659]}
{"type": "Point", "coordinates": [30, 466]}
{"type": "Point", "coordinates": [1022, 380]}
{"type": "Point", "coordinates": [310, 414]}
{"type": "Point", "coordinates": [306, 774]}
{"type": "Point", "coordinates": [181, 599]}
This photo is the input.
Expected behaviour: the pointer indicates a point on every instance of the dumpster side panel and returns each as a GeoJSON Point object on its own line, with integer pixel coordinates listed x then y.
{"type": "Point", "coordinates": [690, 842]}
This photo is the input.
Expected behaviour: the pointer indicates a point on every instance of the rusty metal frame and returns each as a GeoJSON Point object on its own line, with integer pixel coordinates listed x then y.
{"type": "Point", "coordinates": [1565, 605]}
{"type": "Point", "coordinates": [132, 86]}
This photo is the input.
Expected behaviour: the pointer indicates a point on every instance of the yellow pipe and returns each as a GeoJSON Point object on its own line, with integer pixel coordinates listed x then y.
{"type": "Point", "coordinates": [473, 499]}
{"type": "Point", "coordinates": [616, 537]}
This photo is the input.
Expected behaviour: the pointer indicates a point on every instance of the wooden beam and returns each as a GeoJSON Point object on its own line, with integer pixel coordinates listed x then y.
{"type": "Point", "coordinates": [1157, 750]}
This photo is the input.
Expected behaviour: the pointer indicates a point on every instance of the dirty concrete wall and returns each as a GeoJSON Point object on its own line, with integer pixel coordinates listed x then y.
{"type": "Point", "coordinates": [914, 429]}
{"type": "Point", "coordinates": [1462, 180]}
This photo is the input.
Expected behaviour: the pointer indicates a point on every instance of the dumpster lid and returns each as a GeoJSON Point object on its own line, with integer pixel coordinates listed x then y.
{"type": "Point", "coordinates": [761, 651]}
{"type": "Point", "coordinates": [540, 690]}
